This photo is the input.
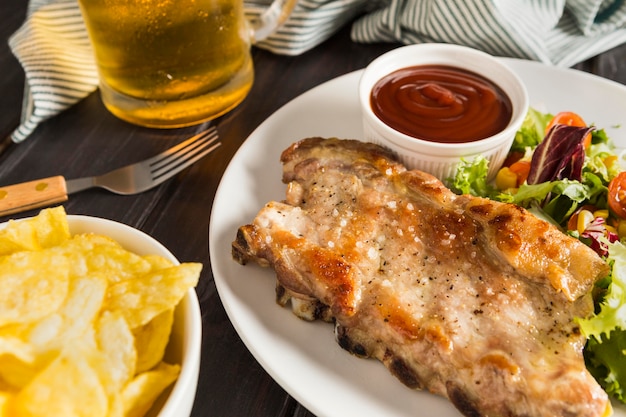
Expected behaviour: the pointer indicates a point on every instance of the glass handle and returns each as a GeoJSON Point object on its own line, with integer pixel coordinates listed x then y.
{"type": "Point", "coordinates": [271, 19]}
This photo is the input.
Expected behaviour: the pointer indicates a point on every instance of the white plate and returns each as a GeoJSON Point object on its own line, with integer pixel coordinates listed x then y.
{"type": "Point", "coordinates": [304, 357]}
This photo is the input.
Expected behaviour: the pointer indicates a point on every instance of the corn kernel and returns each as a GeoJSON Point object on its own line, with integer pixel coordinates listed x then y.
{"type": "Point", "coordinates": [604, 213]}
{"type": "Point", "coordinates": [505, 179]}
{"type": "Point", "coordinates": [610, 160]}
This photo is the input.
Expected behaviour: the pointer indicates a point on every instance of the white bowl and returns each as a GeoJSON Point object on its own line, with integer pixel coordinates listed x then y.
{"type": "Point", "coordinates": [438, 158]}
{"type": "Point", "coordinates": [186, 336]}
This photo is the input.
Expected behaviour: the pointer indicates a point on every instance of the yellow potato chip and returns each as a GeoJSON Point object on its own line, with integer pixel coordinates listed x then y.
{"type": "Point", "coordinates": [158, 262]}
{"type": "Point", "coordinates": [15, 346]}
{"type": "Point", "coordinates": [19, 359]}
{"type": "Point", "coordinates": [74, 318]}
{"type": "Point", "coordinates": [34, 284]}
{"type": "Point", "coordinates": [151, 340]}
{"type": "Point", "coordinates": [18, 236]}
{"type": "Point", "coordinates": [69, 386]}
{"type": "Point", "coordinates": [15, 374]}
{"type": "Point", "coordinates": [139, 395]}
{"type": "Point", "coordinates": [116, 405]}
{"type": "Point", "coordinates": [141, 299]}
{"type": "Point", "coordinates": [4, 400]}
{"type": "Point", "coordinates": [18, 363]}
{"type": "Point", "coordinates": [119, 357]}
{"type": "Point", "coordinates": [51, 227]}
{"type": "Point", "coordinates": [48, 229]}
{"type": "Point", "coordinates": [90, 253]}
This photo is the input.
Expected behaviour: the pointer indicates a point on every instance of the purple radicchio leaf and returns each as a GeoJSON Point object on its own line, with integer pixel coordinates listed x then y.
{"type": "Point", "coordinates": [597, 233]}
{"type": "Point", "coordinates": [560, 155]}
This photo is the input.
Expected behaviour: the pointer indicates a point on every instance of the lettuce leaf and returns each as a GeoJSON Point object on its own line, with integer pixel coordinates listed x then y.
{"type": "Point", "coordinates": [606, 361]}
{"type": "Point", "coordinates": [599, 136]}
{"type": "Point", "coordinates": [527, 193]}
{"type": "Point", "coordinates": [532, 130]}
{"type": "Point", "coordinates": [612, 309]}
{"type": "Point", "coordinates": [471, 178]}
{"type": "Point", "coordinates": [605, 331]}
{"type": "Point", "coordinates": [602, 158]}
{"type": "Point", "coordinates": [559, 199]}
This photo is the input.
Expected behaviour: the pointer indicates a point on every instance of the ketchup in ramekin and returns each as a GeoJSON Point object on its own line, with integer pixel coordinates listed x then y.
{"type": "Point", "coordinates": [441, 103]}
{"type": "Point", "coordinates": [473, 110]}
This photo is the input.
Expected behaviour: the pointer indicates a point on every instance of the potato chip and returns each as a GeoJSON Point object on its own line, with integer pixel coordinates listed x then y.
{"type": "Point", "coordinates": [17, 347]}
{"type": "Point", "coordinates": [4, 400]}
{"type": "Point", "coordinates": [51, 227]}
{"type": "Point", "coordinates": [117, 345]}
{"type": "Point", "coordinates": [20, 360]}
{"type": "Point", "coordinates": [48, 229]}
{"type": "Point", "coordinates": [139, 395]}
{"type": "Point", "coordinates": [34, 284]}
{"type": "Point", "coordinates": [18, 236]}
{"type": "Point", "coordinates": [116, 406]}
{"type": "Point", "coordinates": [90, 253]}
{"type": "Point", "coordinates": [151, 340]}
{"type": "Point", "coordinates": [17, 362]}
{"type": "Point", "coordinates": [74, 318]}
{"type": "Point", "coordinates": [158, 262]}
{"type": "Point", "coordinates": [69, 386]}
{"type": "Point", "coordinates": [15, 374]}
{"type": "Point", "coordinates": [141, 299]}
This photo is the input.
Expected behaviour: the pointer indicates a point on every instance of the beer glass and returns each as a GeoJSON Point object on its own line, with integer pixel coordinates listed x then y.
{"type": "Point", "coordinates": [175, 63]}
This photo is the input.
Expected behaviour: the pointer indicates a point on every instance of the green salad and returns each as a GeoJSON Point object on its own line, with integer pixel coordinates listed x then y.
{"type": "Point", "coordinates": [568, 173]}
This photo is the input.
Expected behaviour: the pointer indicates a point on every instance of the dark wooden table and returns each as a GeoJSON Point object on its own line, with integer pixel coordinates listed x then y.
{"type": "Point", "coordinates": [87, 140]}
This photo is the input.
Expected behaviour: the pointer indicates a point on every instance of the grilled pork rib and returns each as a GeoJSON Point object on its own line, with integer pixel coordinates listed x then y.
{"type": "Point", "coordinates": [468, 298]}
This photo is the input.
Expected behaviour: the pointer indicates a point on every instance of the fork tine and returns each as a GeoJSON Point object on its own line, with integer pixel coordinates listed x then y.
{"type": "Point", "coordinates": [168, 160]}
{"type": "Point", "coordinates": [180, 148]}
{"type": "Point", "coordinates": [174, 163]}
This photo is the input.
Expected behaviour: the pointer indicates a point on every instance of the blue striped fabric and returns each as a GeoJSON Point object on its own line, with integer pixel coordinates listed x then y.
{"type": "Point", "coordinates": [53, 47]}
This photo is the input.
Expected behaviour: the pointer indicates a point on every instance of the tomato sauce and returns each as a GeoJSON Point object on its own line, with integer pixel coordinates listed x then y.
{"type": "Point", "coordinates": [441, 103]}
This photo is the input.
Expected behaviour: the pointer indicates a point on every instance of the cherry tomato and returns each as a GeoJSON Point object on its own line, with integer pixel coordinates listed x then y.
{"type": "Point", "coordinates": [571, 119]}
{"type": "Point", "coordinates": [521, 169]}
{"type": "Point", "coordinates": [617, 195]}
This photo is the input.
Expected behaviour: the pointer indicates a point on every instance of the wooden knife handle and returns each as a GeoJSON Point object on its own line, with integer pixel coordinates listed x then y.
{"type": "Point", "coordinates": [32, 194]}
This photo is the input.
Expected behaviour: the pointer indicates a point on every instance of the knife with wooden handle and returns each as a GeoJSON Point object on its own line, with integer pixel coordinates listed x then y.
{"type": "Point", "coordinates": [32, 194]}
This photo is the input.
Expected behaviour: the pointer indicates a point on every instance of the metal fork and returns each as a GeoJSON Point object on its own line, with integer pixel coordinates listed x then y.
{"type": "Point", "coordinates": [131, 179]}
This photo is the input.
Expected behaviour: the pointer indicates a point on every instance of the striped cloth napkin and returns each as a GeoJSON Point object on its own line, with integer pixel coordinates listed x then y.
{"type": "Point", "coordinates": [53, 47]}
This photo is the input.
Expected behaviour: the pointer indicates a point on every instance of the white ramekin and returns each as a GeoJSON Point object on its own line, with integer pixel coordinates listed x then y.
{"type": "Point", "coordinates": [437, 158]}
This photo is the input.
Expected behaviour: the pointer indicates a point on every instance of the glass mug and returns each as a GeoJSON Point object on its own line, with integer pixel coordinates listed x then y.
{"type": "Point", "coordinates": [175, 63]}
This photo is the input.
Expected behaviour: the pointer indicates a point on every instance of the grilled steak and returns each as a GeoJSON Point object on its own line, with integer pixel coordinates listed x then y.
{"type": "Point", "coordinates": [468, 298]}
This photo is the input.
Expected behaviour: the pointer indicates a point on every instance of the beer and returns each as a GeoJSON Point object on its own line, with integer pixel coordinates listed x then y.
{"type": "Point", "coordinates": [170, 63]}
